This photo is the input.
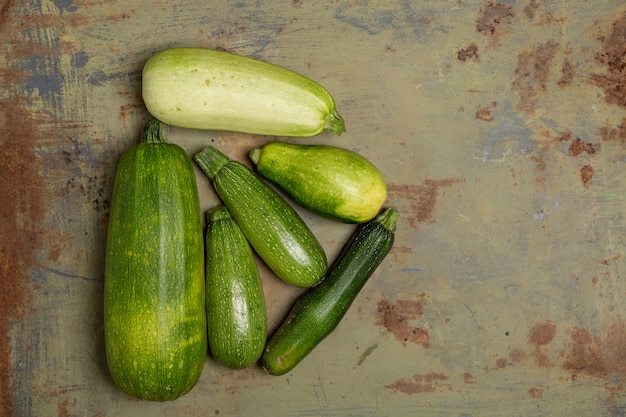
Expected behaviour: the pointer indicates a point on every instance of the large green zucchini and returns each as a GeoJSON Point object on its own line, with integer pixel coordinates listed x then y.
{"type": "Point", "coordinates": [154, 300]}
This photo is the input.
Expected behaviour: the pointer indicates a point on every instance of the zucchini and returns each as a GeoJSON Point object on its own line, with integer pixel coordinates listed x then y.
{"type": "Point", "coordinates": [208, 89]}
{"type": "Point", "coordinates": [336, 183]}
{"type": "Point", "coordinates": [235, 302]}
{"type": "Point", "coordinates": [275, 231]}
{"type": "Point", "coordinates": [154, 307]}
{"type": "Point", "coordinates": [318, 311]}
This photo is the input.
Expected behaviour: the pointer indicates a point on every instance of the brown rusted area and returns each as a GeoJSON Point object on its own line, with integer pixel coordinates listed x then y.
{"type": "Point", "coordinates": [586, 174]}
{"type": "Point", "coordinates": [568, 73]}
{"type": "Point", "coordinates": [501, 363]}
{"type": "Point", "coordinates": [611, 259]}
{"type": "Point", "coordinates": [21, 209]}
{"type": "Point", "coordinates": [584, 355]}
{"type": "Point", "coordinates": [617, 133]}
{"type": "Point", "coordinates": [534, 392]}
{"type": "Point", "coordinates": [517, 356]}
{"type": "Point", "coordinates": [494, 19]}
{"type": "Point", "coordinates": [469, 53]}
{"type": "Point", "coordinates": [419, 383]}
{"type": "Point", "coordinates": [532, 73]}
{"type": "Point", "coordinates": [397, 317]}
{"type": "Point", "coordinates": [532, 11]}
{"type": "Point", "coordinates": [422, 199]}
{"type": "Point", "coordinates": [541, 335]}
{"type": "Point", "coordinates": [579, 146]}
{"type": "Point", "coordinates": [468, 378]}
{"type": "Point", "coordinates": [484, 113]}
{"type": "Point", "coordinates": [531, 8]}
{"type": "Point", "coordinates": [598, 356]}
{"type": "Point", "coordinates": [613, 81]}
{"type": "Point", "coordinates": [36, 156]}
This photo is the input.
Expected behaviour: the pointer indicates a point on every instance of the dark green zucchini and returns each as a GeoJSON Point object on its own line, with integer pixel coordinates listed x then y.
{"type": "Point", "coordinates": [234, 297]}
{"type": "Point", "coordinates": [318, 311]}
{"type": "Point", "coordinates": [154, 307]}
{"type": "Point", "coordinates": [275, 231]}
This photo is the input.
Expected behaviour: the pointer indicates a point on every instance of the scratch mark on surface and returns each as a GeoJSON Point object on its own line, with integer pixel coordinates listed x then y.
{"type": "Point", "coordinates": [473, 314]}
{"type": "Point", "coordinates": [69, 275]}
{"type": "Point", "coordinates": [367, 352]}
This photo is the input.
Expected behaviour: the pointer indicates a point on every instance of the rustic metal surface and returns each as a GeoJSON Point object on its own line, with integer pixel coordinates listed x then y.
{"type": "Point", "coordinates": [499, 126]}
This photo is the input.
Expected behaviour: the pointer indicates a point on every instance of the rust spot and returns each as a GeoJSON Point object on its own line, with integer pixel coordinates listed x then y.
{"type": "Point", "coordinates": [611, 259]}
{"type": "Point", "coordinates": [502, 363]}
{"type": "Point", "coordinates": [535, 392]}
{"type": "Point", "coordinates": [601, 356]}
{"type": "Point", "coordinates": [586, 174]}
{"type": "Point", "coordinates": [469, 53]}
{"type": "Point", "coordinates": [128, 110]}
{"type": "Point", "coordinates": [532, 72]}
{"type": "Point", "coordinates": [422, 199]}
{"type": "Point", "coordinates": [493, 18]}
{"type": "Point", "coordinates": [531, 8]}
{"type": "Point", "coordinates": [541, 335]}
{"type": "Point", "coordinates": [568, 73]}
{"type": "Point", "coordinates": [613, 81]}
{"type": "Point", "coordinates": [419, 383]}
{"type": "Point", "coordinates": [397, 318]}
{"type": "Point", "coordinates": [617, 133]}
{"type": "Point", "coordinates": [468, 378]}
{"type": "Point", "coordinates": [517, 356]}
{"type": "Point", "coordinates": [584, 356]}
{"type": "Point", "coordinates": [578, 146]}
{"type": "Point", "coordinates": [484, 113]}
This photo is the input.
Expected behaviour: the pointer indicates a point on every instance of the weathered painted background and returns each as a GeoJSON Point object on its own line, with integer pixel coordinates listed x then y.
{"type": "Point", "coordinates": [500, 128]}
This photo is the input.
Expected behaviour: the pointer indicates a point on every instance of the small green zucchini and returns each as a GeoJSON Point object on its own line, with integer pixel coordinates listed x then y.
{"type": "Point", "coordinates": [235, 302]}
{"type": "Point", "coordinates": [334, 182]}
{"type": "Point", "coordinates": [318, 311]}
{"type": "Point", "coordinates": [154, 307]}
{"type": "Point", "coordinates": [275, 231]}
{"type": "Point", "coordinates": [209, 89]}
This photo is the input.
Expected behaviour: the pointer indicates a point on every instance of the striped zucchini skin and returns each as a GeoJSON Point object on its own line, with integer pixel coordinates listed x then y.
{"type": "Point", "coordinates": [208, 89]}
{"type": "Point", "coordinates": [318, 311]}
{"type": "Point", "coordinates": [334, 182]}
{"type": "Point", "coordinates": [154, 305]}
{"type": "Point", "coordinates": [275, 231]}
{"type": "Point", "coordinates": [235, 302]}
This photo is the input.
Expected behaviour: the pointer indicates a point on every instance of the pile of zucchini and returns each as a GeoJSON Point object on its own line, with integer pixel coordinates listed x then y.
{"type": "Point", "coordinates": [173, 291]}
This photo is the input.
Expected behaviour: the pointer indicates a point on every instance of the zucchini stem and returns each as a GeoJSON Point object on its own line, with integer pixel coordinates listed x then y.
{"type": "Point", "coordinates": [219, 212]}
{"type": "Point", "coordinates": [152, 132]}
{"type": "Point", "coordinates": [388, 218]}
{"type": "Point", "coordinates": [335, 123]}
{"type": "Point", "coordinates": [210, 160]}
{"type": "Point", "coordinates": [254, 155]}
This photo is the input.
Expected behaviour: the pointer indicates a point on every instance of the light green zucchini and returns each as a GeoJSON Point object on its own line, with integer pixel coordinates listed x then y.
{"type": "Point", "coordinates": [334, 182]}
{"type": "Point", "coordinates": [209, 89]}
